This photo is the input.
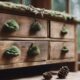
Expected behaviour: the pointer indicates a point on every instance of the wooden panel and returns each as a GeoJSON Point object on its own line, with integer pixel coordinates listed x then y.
{"type": "Point", "coordinates": [56, 28]}
{"type": "Point", "coordinates": [24, 23]}
{"type": "Point", "coordinates": [55, 50]}
{"type": "Point", "coordinates": [22, 65]}
{"type": "Point", "coordinates": [23, 46]}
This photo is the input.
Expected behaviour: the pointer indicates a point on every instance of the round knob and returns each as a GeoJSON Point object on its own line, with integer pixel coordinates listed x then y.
{"type": "Point", "coordinates": [64, 49]}
{"type": "Point", "coordinates": [33, 50]}
{"type": "Point", "coordinates": [10, 26]}
{"type": "Point", "coordinates": [12, 51]}
{"type": "Point", "coordinates": [64, 31]}
{"type": "Point", "coordinates": [35, 27]}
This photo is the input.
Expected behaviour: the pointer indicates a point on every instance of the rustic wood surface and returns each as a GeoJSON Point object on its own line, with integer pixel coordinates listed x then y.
{"type": "Point", "coordinates": [36, 39]}
{"type": "Point", "coordinates": [48, 39]}
{"type": "Point", "coordinates": [23, 46]}
{"type": "Point", "coordinates": [55, 52]}
{"type": "Point", "coordinates": [24, 23]}
{"type": "Point", "coordinates": [56, 28]}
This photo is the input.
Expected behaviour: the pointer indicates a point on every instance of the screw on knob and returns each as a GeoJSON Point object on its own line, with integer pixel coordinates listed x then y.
{"type": "Point", "coordinates": [64, 49]}
{"type": "Point", "coordinates": [63, 31]}
{"type": "Point", "coordinates": [33, 50]}
{"type": "Point", "coordinates": [35, 27]}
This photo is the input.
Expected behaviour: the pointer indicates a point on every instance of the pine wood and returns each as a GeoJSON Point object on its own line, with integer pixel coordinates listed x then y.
{"type": "Point", "coordinates": [21, 65]}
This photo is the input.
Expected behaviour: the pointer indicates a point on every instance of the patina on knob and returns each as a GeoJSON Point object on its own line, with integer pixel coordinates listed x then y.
{"type": "Point", "coordinates": [13, 51]}
{"type": "Point", "coordinates": [64, 49]}
{"type": "Point", "coordinates": [35, 27]}
{"type": "Point", "coordinates": [10, 26]}
{"type": "Point", "coordinates": [64, 31]}
{"type": "Point", "coordinates": [33, 50]}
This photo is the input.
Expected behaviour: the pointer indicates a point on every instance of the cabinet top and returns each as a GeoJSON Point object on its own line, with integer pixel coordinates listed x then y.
{"type": "Point", "coordinates": [19, 9]}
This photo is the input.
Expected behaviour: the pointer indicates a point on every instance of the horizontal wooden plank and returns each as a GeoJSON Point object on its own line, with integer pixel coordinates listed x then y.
{"type": "Point", "coordinates": [24, 47]}
{"type": "Point", "coordinates": [57, 27]}
{"type": "Point", "coordinates": [28, 64]}
{"type": "Point", "coordinates": [39, 39]}
{"type": "Point", "coordinates": [56, 47]}
{"type": "Point", "coordinates": [24, 25]}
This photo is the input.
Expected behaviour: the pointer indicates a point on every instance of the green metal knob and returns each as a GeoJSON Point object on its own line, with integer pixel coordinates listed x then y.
{"type": "Point", "coordinates": [10, 26]}
{"type": "Point", "coordinates": [33, 50]}
{"type": "Point", "coordinates": [64, 49]}
{"type": "Point", "coordinates": [64, 31]}
{"type": "Point", "coordinates": [35, 27]}
{"type": "Point", "coordinates": [12, 52]}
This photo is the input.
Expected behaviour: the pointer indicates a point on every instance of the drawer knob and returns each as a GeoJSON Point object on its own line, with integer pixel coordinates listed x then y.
{"type": "Point", "coordinates": [64, 31]}
{"type": "Point", "coordinates": [10, 26]}
{"type": "Point", "coordinates": [33, 50]}
{"type": "Point", "coordinates": [64, 49]}
{"type": "Point", "coordinates": [35, 27]}
{"type": "Point", "coordinates": [12, 52]}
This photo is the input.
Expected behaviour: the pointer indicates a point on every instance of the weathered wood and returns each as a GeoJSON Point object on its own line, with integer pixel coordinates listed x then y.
{"type": "Point", "coordinates": [55, 52]}
{"type": "Point", "coordinates": [22, 65]}
{"type": "Point", "coordinates": [25, 24]}
{"type": "Point", "coordinates": [56, 61]}
{"type": "Point", "coordinates": [23, 46]}
{"type": "Point", "coordinates": [39, 39]}
{"type": "Point", "coordinates": [29, 10]}
{"type": "Point", "coordinates": [48, 39]}
{"type": "Point", "coordinates": [56, 28]}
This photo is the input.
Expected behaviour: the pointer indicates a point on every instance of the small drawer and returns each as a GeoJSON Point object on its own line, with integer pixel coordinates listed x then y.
{"type": "Point", "coordinates": [62, 30]}
{"type": "Point", "coordinates": [25, 55]}
{"type": "Point", "coordinates": [62, 50]}
{"type": "Point", "coordinates": [25, 29]}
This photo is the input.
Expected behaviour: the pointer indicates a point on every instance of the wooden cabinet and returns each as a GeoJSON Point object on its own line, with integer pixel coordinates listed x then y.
{"type": "Point", "coordinates": [32, 36]}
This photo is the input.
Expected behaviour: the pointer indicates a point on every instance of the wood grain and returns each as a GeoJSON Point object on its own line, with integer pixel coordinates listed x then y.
{"type": "Point", "coordinates": [23, 46]}
{"type": "Point", "coordinates": [24, 23]}
{"type": "Point", "coordinates": [55, 50]}
{"type": "Point", "coordinates": [56, 28]}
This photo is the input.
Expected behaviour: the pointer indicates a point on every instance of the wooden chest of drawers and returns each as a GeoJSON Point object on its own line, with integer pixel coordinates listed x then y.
{"type": "Point", "coordinates": [52, 40]}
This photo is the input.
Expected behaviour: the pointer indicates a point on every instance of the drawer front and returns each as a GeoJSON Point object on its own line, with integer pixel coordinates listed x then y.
{"type": "Point", "coordinates": [61, 30]}
{"type": "Point", "coordinates": [24, 26]}
{"type": "Point", "coordinates": [57, 50]}
{"type": "Point", "coordinates": [23, 46]}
